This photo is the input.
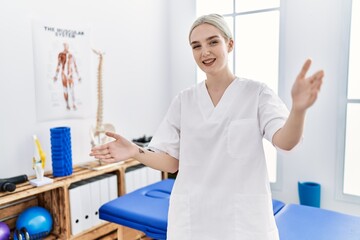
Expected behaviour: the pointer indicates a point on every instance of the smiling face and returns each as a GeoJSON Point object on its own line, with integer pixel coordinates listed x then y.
{"type": "Point", "coordinates": [210, 49]}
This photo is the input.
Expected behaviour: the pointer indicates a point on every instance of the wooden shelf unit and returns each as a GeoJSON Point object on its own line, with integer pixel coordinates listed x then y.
{"type": "Point", "coordinates": [55, 198]}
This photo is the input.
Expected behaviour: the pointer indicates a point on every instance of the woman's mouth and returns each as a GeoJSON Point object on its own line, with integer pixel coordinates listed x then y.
{"type": "Point", "coordinates": [209, 62]}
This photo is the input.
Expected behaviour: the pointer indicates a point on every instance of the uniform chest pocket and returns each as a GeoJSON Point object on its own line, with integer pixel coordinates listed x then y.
{"type": "Point", "coordinates": [243, 138]}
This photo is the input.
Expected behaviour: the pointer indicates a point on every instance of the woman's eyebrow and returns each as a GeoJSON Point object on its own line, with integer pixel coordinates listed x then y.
{"type": "Point", "coordinates": [207, 39]}
{"type": "Point", "coordinates": [212, 37]}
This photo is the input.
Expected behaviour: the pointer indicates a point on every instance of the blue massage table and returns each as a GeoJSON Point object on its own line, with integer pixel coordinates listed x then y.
{"type": "Point", "coordinates": [277, 206]}
{"type": "Point", "coordinates": [299, 222]}
{"type": "Point", "coordinates": [146, 209]}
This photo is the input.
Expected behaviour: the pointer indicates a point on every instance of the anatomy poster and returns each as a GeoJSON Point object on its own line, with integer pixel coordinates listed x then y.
{"type": "Point", "coordinates": [62, 56]}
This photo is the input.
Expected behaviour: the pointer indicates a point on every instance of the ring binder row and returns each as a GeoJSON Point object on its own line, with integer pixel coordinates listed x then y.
{"type": "Point", "coordinates": [140, 176]}
{"type": "Point", "coordinates": [86, 197]}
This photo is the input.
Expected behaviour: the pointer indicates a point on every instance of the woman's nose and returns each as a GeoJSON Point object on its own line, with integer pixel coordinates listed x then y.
{"type": "Point", "coordinates": [205, 53]}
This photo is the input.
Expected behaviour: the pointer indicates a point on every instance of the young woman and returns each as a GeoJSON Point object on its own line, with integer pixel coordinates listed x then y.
{"type": "Point", "coordinates": [212, 134]}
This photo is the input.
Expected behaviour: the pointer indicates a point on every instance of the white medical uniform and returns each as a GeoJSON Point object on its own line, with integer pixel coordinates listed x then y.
{"type": "Point", "coordinates": [222, 189]}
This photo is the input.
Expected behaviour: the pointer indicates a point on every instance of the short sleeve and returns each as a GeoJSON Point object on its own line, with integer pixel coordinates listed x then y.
{"type": "Point", "coordinates": [273, 113]}
{"type": "Point", "coordinates": [167, 136]}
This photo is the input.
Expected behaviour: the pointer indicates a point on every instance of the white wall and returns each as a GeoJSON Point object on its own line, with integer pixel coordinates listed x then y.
{"type": "Point", "coordinates": [136, 77]}
{"type": "Point", "coordinates": [182, 64]}
{"type": "Point", "coordinates": [314, 29]}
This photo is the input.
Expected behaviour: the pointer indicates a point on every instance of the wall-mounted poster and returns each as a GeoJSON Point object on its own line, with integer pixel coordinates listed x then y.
{"type": "Point", "coordinates": [62, 56]}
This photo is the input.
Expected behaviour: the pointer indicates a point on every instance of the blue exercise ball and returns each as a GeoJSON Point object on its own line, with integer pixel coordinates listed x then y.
{"type": "Point", "coordinates": [36, 220]}
{"type": "Point", "coordinates": [4, 231]}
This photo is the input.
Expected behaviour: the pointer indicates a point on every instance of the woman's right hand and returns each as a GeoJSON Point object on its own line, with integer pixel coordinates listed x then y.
{"type": "Point", "coordinates": [118, 150]}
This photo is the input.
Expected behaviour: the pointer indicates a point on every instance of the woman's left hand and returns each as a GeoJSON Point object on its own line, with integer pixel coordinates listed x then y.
{"type": "Point", "coordinates": [305, 89]}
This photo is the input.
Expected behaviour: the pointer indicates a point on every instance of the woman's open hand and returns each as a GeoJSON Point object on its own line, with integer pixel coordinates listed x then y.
{"type": "Point", "coordinates": [305, 89]}
{"type": "Point", "coordinates": [118, 150]}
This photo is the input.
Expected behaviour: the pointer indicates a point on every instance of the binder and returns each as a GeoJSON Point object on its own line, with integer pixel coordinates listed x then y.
{"type": "Point", "coordinates": [143, 181]}
{"type": "Point", "coordinates": [140, 176]}
{"type": "Point", "coordinates": [153, 175]}
{"type": "Point", "coordinates": [86, 216]}
{"type": "Point", "coordinates": [129, 180]}
{"type": "Point", "coordinates": [95, 200]}
{"type": "Point", "coordinates": [137, 176]}
{"type": "Point", "coordinates": [75, 208]}
{"type": "Point", "coordinates": [104, 189]}
{"type": "Point", "coordinates": [113, 187]}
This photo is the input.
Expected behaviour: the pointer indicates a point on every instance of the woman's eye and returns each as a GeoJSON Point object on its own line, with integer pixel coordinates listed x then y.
{"type": "Point", "coordinates": [195, 46]}
{"type": "Point", "coordinates": [212, 43]}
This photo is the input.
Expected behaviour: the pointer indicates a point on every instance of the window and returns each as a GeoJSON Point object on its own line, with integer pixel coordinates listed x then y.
{"type": "Point", "coordinates": [351, 150]}
{"type": "Point", "coordinates": [255, 26]}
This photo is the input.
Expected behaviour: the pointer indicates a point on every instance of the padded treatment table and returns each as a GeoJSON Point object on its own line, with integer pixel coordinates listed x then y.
{"type": "Point", "coordinates": [277, 206]}
{"type": "Point", "coordinates": [299, 222]}
{"type": "Point", "coordinates": [146, 209]}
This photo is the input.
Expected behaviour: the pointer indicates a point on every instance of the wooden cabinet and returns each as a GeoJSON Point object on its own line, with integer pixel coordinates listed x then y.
{"type": "Point", "coordinates": [55, 198]}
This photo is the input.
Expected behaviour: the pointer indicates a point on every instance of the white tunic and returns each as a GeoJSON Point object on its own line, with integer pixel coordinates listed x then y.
{"type": "Point", "coordinates": [222, 189]}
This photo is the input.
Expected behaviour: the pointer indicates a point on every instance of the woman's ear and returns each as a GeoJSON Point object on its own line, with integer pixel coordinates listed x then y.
{"type": "Point", "coordinates": [230, 45]}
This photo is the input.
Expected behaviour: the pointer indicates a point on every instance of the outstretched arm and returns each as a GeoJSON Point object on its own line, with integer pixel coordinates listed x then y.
{"type": "Point", "coordinates": [121, 149]}
{"type": "Point", "coordinates": [304, 93]}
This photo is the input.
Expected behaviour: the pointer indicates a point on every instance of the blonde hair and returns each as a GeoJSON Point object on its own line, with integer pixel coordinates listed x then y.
{"type": "Point", "coordinates": [215, 20]}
